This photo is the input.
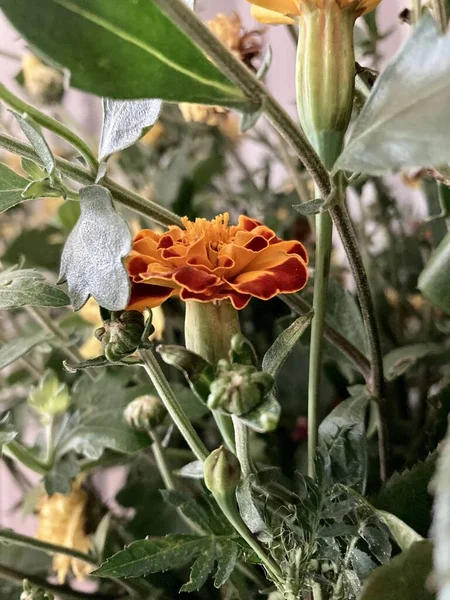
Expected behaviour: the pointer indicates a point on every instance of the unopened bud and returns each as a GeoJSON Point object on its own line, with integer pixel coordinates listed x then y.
{"type": "Point", "coordinates": [50, 397]}
{"type": "Point", "coordinates": [33, 593]}
{"type": "Point", "coordinates": [122, 334]}
{"type": "Point", "coordinates": [238, 389]}
{"type": "Point", "coordinates": [222, 472]}
{"type": "Point", "coordinates": [145, 413]}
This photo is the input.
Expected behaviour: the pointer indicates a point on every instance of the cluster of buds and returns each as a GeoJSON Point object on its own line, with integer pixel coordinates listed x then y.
{"type": "Point", "coordinates": [121, 334]}
{"type": "Point", "coordinates": [145, 413]}
{"type": "Point", "coordinates": [30, 592]}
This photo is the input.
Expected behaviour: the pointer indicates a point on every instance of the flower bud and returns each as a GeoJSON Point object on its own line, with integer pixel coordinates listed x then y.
{"type": "Point", "coordinates": [50, 397]}
{"type": "Point", "coordinates": [238, 389]}
{"type": "Point", "coordinates": [145, 413]}
{"type": "Point", "coordinates": [242, 351]}
{"type": "Point", "coordinates": [122, 334]}
{"type": "Point", "coordinates": [33, 593]}
{"type": "Point", "coordinates": [222, 472]}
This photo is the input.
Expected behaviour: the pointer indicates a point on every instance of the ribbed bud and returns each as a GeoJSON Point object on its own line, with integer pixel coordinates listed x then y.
{"type": "Point", "coordinates": [238, 389]}
{"type": "Point", "coordinates": [222, 472]}
{"type": "Point", "coordinates": [145, 413]}
{"type": "Point", "coordinates": [121, 335]}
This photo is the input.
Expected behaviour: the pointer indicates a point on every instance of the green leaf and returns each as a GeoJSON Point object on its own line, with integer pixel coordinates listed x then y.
{"type": "Point", "coordinates": [434, 281]}
{"type": "Point", "coordinates": [32, 169]}
{"type": "Point", "coordinates": [401, 360]}
{"type": "Point", "coordinates": [51, 397]}
{"type": "Point", "coordinates": [48, 240]}
{"type": "Point", "coordinates": [11, 351]}
{"type": "Point", "coordinates": [227, 554]}
{"type": "Point", "coordinates": [250, 513]}
{"type": "Point", "coordinates": [404, 535]}
{"type": "Point", "coordinates": [7, 431]}
{"type": "Point", "coordinates": [201, 568]}
{"type": "Point", "coordinates": [59, 479]}
{"type": "Point", "coordinates": [11, 188]}
{"type": "Point", "coordinates": [91, 262]}
{"type": "Point", "coordinates": [125, 122]}
{"type": "Point", "coordinates": [69, 213]}
{"type": "Point", "coordinates": [441, 521]}
{"type": "Point", "coordinates": [277, 354]}
{"type": "Point", "coordinates": [153, 555]}
{"type": "Point", "coordinates": [189, 507]}
{"type": "Point", "coordinates": [404, 122]}
{"type": "Point", "coordinates": [25, 287]}
{"type": "Point", "coordinates": [99, 423]}
{"type": "Point", "coordinates": [405, 576]}
{"type": "Point", "coordinates": [37, 140]}
{"type": "Point", "coordinates": [309, 208]}
{"type": "Point", "coordinates": [406, 495]}
{"type": "Point", "coordinates": [343, 314]}
{"type": "Point", "coordinates": [343, 434]}
{"type": "Point", "coordinates": [123, 50]}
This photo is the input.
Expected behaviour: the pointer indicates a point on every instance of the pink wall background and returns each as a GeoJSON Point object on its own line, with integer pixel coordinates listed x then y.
{"type": "Point", "coordinates": [87, 112]}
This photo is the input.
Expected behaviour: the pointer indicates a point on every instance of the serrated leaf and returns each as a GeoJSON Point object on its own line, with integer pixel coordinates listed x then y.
{"type": "Point", "coordinates": [277, 354]}
{"type": "Point", "coordinates": [441, 521]}
{"type": "Point", "coordinates": [400, 360]}
{"type": "Point", "coordinates": [405, 576]}
{"type": "Point", "coordinates": [59, 479]}
{"type": "Point", "coordinates": [12, 350]}
{"type": "Point", "coordinates": [100, 423]}
{"type": "Point", "coordinates": [434, 281]}
{"type": "Point", "coordinates": [227, 555]}
{"type": "Point", "coordinates": [125, 122]}
{"type": "Point", "coordinates": [404, 122]}
{"type": "Point", "coordinates": [406, 495]}
{"type": "Point", "coordinates": [201, 568]}
{"type": "Point", "coordinates": [123, 50]}
{"type": "Point", "coordinates": [343, 434]}
{"type": "Point", "coordinates": [189, 507]}
{"type": "Point", "coordinates": [25, 287]}
{"type": "Point", "coordinates": [11, 188]}
{"type": "Point", "coordinates": [37, 140]}
{"type": "Point", "coordinates": [153, 555]}
{"type": "Point", "coordinates": [91, 262]}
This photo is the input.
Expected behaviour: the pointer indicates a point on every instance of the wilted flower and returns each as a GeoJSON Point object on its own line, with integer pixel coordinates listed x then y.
{"type": "Point", "coordinates": [246, 46]}
{"type": "Point", "coordinates": [210, 260]}
{"type": "Point", "coordinates": [288, 11]}
{"type": "Point", "coordinates": [62, 521]}
{"type": "Point", "coordinates": [44, 84]}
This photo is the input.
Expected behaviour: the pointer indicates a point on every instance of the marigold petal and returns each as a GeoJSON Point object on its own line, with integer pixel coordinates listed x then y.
{"type": "Point", "coordinates": [146, 295]}
{"type": "Point", "coordinates": [194, 279]}
{"type": "Point", "coordinates": [238, 300]}
{"type": "Point", "coordinates": [270, 17]}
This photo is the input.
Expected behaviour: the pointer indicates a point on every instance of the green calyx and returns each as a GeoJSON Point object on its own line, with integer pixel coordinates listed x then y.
{"type": "Point", "coordinates": [121, 335]}
{"type": "Point", "coordinates": [238, 389]}
{"type": "Point", "coordinates": [145, 413]}
{"type": "Point", "coordinates": [222, 472]}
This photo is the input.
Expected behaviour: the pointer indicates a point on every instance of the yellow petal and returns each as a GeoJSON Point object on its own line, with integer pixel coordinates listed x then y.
{"type": "Point", "coordinates": [285, 7]}
{"type": "Point", "coordinates": [270, 17]}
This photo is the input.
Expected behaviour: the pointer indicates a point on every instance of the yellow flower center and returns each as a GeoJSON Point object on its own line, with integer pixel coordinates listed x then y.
{"type": "Point", "coordinates": [216, 233]}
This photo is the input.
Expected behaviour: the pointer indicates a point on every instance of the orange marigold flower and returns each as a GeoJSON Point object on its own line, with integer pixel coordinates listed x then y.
{"type": "Point", "coordinates": [210, 260]}
{"type": "Point", "coordinates": [287, 11]}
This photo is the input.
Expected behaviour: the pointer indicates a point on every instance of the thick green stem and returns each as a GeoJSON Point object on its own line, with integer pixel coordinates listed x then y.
{"type": "Point", "coordinates": [243, 447]}
{"type": "Point", "coordinates": [324, 234]}
{"type": "Point", "coordinates": [131, 200]}
{"type": "Point", "coordinates": [51, 124]}
{"type": "Point", "coordinates": [172, 405]}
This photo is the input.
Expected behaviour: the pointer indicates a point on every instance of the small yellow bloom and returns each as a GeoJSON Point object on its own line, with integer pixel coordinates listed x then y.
{"type": "Point", "coordinates": [288, 11]}
{"type": "Point", "coordinates": [62, 521]}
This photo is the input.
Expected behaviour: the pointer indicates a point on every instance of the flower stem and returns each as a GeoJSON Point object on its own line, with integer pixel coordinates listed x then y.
{"type": "Point", "coordinates": [148, 208]}
{"type": "Point", "coordinates": [16, 450]}
{"type": "Point", "coordinates": [376, 383]}
{"type": "Point", "coordinates": [241, 434]}
{"type": "Point", "coordinates": [440, 13]}
{"type": "Point", "coordinates": [51, 124]}
{"type": "Point", "coordinates": [172, 405]}
{"type": "Point", "coordinates": [161, 462]}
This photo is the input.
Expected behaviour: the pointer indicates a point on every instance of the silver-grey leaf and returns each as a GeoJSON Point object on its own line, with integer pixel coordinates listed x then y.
{"type": "Point", "coordinates": [37, 140]}
{"type": "Point", "coordinates": [405, 123]}
{"type": "Point", "coordinates": [125, 122]}
{"type": "Point", "coordinates": [91, 262]}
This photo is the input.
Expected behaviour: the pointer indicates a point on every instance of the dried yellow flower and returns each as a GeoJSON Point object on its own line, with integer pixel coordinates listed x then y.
{"type": "Point", "coordinates": [62, 521]}
{"type": "Point", "coordinates": [43, 83]}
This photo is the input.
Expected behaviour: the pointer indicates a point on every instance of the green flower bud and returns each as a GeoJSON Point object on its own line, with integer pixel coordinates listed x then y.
{"type": "Point", "coordinates": [33, 593]}
{"type": "Point", "coordinates": [222, 472]}
{"type": "Point", "coordinates": [242, 351]}
{"type": "Point", "coordinates": [238, 389]}
{"type": "Point", "coordinates": [145, 413]}
{"type": "Point", "coordinates": [50, 397]}
{"type": "Point", "coordinates": [121, 335]}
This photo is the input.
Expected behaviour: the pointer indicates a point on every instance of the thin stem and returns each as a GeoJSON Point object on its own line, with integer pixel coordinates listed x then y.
{"type": "Point", "coordinates": [241, 434]}
{"type": "Point", "coordinates": [355, 356]}
{"type": "Point", "coordinates": [133, 201]}
{"type": "Point", "coordinates": [61, 591]}
{"type": "Point", "coordinates": [51, 124]}
{"type": "Point", "coordinates": [376, 383]}
{"type": "Point", "coordinates": [254, 89]}
{"type": "Point", "coordinates": [440, 13]}
{"type": "Point", "coordinates": [70, 350]}
{"type": "Point", "coordinates": [172, 405]}
{"type": "Point", "coordinates": [22, 540]}
{"type": "Point", "coordinates": [161, 462]}
{"type": "Point", "coordinates": [324, 234]}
